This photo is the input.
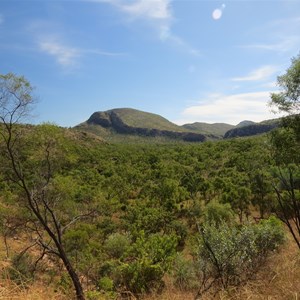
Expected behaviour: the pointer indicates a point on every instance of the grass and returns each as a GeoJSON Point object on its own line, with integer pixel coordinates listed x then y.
{"type": "Point", "coordinates": [279, 279]}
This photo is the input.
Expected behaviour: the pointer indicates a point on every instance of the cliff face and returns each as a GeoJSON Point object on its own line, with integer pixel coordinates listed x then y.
{"type": "Point", "coordinates": [119, 122]}
{"type": "Point", "coordinates": [249, 130]}
{"type": "Point", "coordinates": [111, 119]}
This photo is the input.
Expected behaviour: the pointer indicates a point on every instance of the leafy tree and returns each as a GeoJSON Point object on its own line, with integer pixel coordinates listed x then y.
{"type": "Point", "coordinates": [143, 216]}
{"type": "Point", "coordinates": [261, 189]}
{"type": "Point", "coordinates": [288, 198]}
{"type": "Point", "coordinates": [288, 100]}
{"type": "Point", "coordinates": [286, 146]}
{"type": "Point", "coordinates": [32, 174]}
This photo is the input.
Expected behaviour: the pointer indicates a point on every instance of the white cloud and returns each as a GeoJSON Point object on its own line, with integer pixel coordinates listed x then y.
{"type": "Point", "coordinates": [281, 35]}
{"type": "Point", "coordinates": [154, 9]}
{"type": "Point", "coordinates": [271, 84]}
{"type": "Point", "coordinates": [68, 56]}
{"type": "Point", "coordinates": [157, 13]}
{"type": "Point", "coordinates": [150, 9]}
{"type": "Point", "coordinates": [285, 44]}
{"type": "Point", "coordinates": [230, 109]}
{"type": "Point", "coordinates": [64, 55]}
{"type": "Point", "coordinates": [262, 73]}
{"type": "Point", "coordinates": [166, 35]}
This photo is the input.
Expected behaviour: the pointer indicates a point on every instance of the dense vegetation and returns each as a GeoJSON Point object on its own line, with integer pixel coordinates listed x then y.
{"type": "Point", "coordinates": [117, 220]}
{"type": "Point", "coordinates": [145, 204]}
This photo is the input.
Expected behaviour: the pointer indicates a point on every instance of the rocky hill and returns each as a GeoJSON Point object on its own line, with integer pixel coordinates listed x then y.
{"type": "Point", "coordinates": [251, 128]}
{"type": "Point", "coordinates": [127, 121]}
{"type": "Point", "coordinates": [124, 124]}
{"type": "Point", "coordinates": [215, 129]}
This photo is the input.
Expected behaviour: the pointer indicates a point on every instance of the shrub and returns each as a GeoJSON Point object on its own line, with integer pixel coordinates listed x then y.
{"type": "Point", "coordinates": [116, 245]}
{"type": "Point", "coordinates": [147, 260]}
{"type": "Point", "coordinates": [229, 255]}
{"type": "Point", "coordinates": [216, 213]}
{"type": "Point", "coordinates": [106, 284]}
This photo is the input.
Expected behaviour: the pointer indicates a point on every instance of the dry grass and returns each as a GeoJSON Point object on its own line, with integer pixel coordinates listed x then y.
{"type": "Point", "coordinates": [37, 291]}
{"type": "Point", "coordinates": [278, 280]}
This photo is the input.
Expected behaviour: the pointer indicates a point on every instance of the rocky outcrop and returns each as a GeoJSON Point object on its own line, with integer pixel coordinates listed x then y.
{"type": "Point", "coordinates": [110, 119]}
{"type": "Point", "coordinates": [249, 130]}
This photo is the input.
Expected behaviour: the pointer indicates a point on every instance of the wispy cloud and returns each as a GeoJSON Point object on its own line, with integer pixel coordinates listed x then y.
{"type": "Point", "coordinates": [166, 35]}
{"type": "Point", "coordinates": [154, 9]}
{"type": "Point", "coordinates": [230, 109]}
{"type": "Point", "coordinates": [284, 44]}
{"type": "Point", "coordinates": [157, 13]}
{"type": "Point", "coordinates": [150, 9]}
{"type": "Point", "coordinates": [64, 55]}
{"type": "Point", "coordinates": [68, 56]}
{"type": "Point", "coordinates": [259, 74]}
{"type": "Point", "coordinates": [1, 19]}
{"type": "Point", "coordinates": [280, 35]}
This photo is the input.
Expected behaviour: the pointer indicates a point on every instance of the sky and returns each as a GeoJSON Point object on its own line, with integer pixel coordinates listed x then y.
{"type": "Point", "coordinates": [186, 60]}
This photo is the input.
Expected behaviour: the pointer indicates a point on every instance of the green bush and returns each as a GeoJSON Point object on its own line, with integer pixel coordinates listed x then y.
{"type": "Point", "coordinates": [146, 262]}
{"type": "Point", "coordinates": [116, 245]}
{"type": "Point", "coordinates": [229, 255]}
{"type": "Point", "coordinates": [216, 213]}
{"type": "Point", "coordinates": [106, 284]}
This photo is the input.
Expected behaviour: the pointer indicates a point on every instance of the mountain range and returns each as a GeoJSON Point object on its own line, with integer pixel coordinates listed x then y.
{"type": "Point", "coordinates": [128, 123]}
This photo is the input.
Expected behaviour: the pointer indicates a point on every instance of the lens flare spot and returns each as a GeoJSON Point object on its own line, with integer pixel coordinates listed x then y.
{"type": "Point", "coordinates": [217, 14]}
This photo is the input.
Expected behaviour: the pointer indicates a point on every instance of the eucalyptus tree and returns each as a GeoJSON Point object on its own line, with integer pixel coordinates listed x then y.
{"type": "Point", "coordinates": [31, 172]}
{"type": "Point", "coordinates": [286, 149]}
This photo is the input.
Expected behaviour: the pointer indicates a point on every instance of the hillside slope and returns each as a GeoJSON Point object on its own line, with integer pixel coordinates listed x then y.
{"type": "Point", "coordinates": [134, 122]}
{"type": "Point", "coordinates": [132, 125]}
{"type": "Point", "coordinates": [217, 129]}
{"type": "Point", "coordinates": [251, 129]}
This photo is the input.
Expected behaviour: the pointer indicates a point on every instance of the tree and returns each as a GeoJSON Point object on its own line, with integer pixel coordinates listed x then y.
{"type": "Point", "coordinates": [261, 188]}
{"type": "Point", "coordinates": [286, 145]}
{"type": "Point", "coordinates": [32, 178]}
{"type": "Point", "coordinates": [288, 100]}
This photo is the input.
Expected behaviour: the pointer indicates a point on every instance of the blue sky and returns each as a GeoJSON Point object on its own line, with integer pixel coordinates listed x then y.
{"type": "Point", "coordinates": [187, 60]}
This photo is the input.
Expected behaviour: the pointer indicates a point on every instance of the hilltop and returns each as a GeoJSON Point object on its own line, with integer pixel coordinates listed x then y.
{"type": "Point", "coordinates": [128, 121]}
{"type": "Point", "coordinates": [121, 124]}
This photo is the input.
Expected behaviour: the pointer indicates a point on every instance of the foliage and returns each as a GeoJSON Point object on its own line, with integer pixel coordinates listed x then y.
{"type": "Point", "coordinates": [287, 190]}
{"type": "Point", "coordinates": [147, 261]}
{"type": "Point", "coordinates": [229, 255]}
{"type": "Point", "coordinates": [288, 99]}
{"type": "Point", "coordinates": [127, 212]}
{"type": "Point", "coordinates": [217, 213]}
{"type": "Point", "coordinates": [32, 175]}
{"type": "Point", "coordinates": [286, 145]}
{"type": "Point", "coordinates": [116, 245]}
{"type": "Point", "coordinates": [106, 284]}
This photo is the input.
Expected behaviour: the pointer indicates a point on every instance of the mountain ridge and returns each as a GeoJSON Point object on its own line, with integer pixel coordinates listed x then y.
{"type": "Point", "coordinates": [132, 122]}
